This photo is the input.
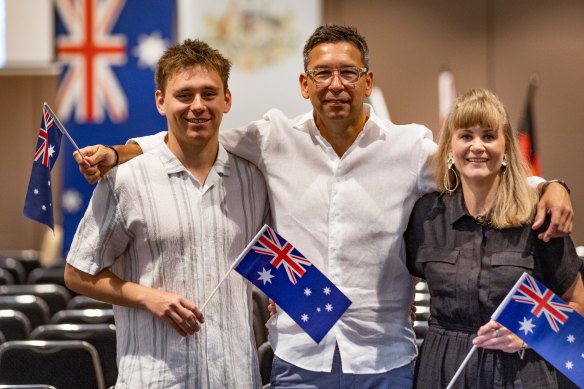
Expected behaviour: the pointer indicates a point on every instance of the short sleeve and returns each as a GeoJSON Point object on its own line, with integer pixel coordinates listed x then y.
{"type": "Point", "coordinates": [426, 182]}
{"type": "Point", "coordinates": [101, 236]}
{"type": "Point", "coordinates": [149, 142]}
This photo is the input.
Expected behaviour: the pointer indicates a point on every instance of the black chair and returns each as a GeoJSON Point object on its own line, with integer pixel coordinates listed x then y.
{"type": "Point", "coordinates": [15, 268]}
{"type": "Point", "coordinates": [35, 308]}
{"type": "Point", "coordinates": [101, 336]}
{"type": "Point", "coordinates": [260, 316]}
{"type": "Point", "coordinates": [71, 364]}
{"type": "Point", "coordinates": [56, 296]}
{"type": "Point", "coordinates": [420, 329]}
{"type": "Point", "coordinates": [30, 259]}
{"type": "Point", "coordinates": [84, 302]}
{"type": "Point", "coordinates": [14, 325]}
{"type": "Point", "coordinates": [6, 277]}
{"type": "Point", "coordinates": [265, 357]}
{"type": "Point", "coordinates": [47, 275]}
{"type": "Point", "coordinates": [83, 316]}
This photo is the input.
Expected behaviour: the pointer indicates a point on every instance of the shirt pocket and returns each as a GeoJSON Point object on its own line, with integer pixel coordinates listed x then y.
{"type": "Point", "coordinates": [506, 268]}
{"type": "Point", "coordinates": [439, 266]}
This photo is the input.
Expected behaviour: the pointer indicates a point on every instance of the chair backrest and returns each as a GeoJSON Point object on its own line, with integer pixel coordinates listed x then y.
{"type": "Point", "coordinates": [56, 296]}
{"type": "Point", "coordinates": [31, 386]}
{"type": "Point", "coordinates": [14, 324]}
{"type": "Point", "coordinates": [16, 269]}
{"type": "Point", "coordinates": [70, 364]}
{"type": "Point", "coordinates": [84, 302]}
{"type": "Point", "coordinates": [101, 336]}
{"type": "Point", "coordinates": [30, 259]}
{"type": "Point", "coordinates": [6, 277]}
{"type": "Point", "coordinates": [47, 275]}
{"type": "Point", "coordinates": [265, 357]}
{"type": "Point", "coordinates": [35, 308]}
{"type": "Point", "coordinates": [83, 316]}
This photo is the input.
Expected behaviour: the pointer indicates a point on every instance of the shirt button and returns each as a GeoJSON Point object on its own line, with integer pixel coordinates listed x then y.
{"type": "Point", "coordinates": [338, 179]}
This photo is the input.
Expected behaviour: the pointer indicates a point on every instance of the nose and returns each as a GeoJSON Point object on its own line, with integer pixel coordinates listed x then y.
{"type": "Point", "coordinates": [477, 145]}
{"type": "Point", "coordinates": [336, 83]}
{"type": "Point", "coordinates": [197, 103]}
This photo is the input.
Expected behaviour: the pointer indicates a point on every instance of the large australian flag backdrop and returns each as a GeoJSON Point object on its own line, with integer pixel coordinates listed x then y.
{"type": "Point", "coordinates": [547, 324]}
{"type": "Point", "coordinates": [108, 50]}
{"type": "Point", "coordinates": [293, 282]}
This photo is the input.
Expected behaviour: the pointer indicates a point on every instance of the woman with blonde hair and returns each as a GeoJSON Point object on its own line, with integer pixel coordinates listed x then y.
{"type": "Point", "coordinates": [471, 242]}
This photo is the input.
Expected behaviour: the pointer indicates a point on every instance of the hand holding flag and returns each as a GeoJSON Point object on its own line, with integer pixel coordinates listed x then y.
{"type": "Point", "coordinates": [544, 322]}
{"type": "Point", "coordinates": [292, 281]}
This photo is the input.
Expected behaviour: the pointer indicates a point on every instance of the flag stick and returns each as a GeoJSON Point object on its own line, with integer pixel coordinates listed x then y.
{"type": "Point", "coordinates": [235, 263]}
{"type": "Point", "coordinates": [62, 128]}
{"type": "Point", "coordinates": [470, 353]}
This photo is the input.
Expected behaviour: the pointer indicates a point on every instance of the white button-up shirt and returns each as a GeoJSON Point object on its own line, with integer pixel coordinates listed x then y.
{"type": "Point", "coordinates": [155, 225]}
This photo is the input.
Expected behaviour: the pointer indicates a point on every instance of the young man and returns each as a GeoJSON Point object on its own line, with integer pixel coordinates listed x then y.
{"type": "Point", "coordinates": [341, 183]}
{"type": "Point", "coordinates": [162, 230]}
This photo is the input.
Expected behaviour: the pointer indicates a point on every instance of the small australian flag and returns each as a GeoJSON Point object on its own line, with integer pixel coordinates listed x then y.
{"type": "Point", "coordinates": [38, 204]}
{"type": "Point", "coordinates": [293, 282]}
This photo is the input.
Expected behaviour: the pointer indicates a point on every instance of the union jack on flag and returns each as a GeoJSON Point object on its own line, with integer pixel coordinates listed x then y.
{"type": "Point", "coordinates": [282, 254]}
{"type": "Point", "coordinates": [530, 293]}
{"type": "Point", "coordinates": [302, 291]}
{"type": "Point", "coordinates": [562, 346]}
{"type": "Point", "coordinates": [90, 50]}
{"type": "Point", "coordinates": [45, 150]}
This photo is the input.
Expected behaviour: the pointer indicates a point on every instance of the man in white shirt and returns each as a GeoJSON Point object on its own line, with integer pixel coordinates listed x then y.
{"type": "Point", "coordinates": [162, 230]}
{"type": "Point", "coordinates": [341, 183]}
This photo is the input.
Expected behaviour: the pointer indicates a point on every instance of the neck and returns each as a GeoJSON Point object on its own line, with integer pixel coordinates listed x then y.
{"type": "Point", "coordinates": [340, 133]}
{"type": "Point", "coordinates": [198, 159]}
{"type": "Point", "coordinates": [479, 196]}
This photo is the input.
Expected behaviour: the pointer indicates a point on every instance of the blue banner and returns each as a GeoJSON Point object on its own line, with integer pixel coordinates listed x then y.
{"type": "Point", "coordinates": [109, 50]}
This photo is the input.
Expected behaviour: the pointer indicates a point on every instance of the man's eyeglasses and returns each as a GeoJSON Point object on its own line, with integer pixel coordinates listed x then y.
{"type": "Point", "coordinates": [324, 76]}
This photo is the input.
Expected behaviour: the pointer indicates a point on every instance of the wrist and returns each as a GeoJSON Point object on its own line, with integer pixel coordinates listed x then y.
{"type": "Point", "coordinates": [116, 163]}
{"type": "Point", "coordinates": [547, 183]}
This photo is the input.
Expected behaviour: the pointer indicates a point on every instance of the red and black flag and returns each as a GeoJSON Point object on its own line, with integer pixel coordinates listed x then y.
{"type": "Point", "coordinates": [527, 141]}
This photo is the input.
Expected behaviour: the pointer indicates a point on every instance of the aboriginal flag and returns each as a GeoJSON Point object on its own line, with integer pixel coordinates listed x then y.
{"type": "Point", "coordinates": [527, 141]}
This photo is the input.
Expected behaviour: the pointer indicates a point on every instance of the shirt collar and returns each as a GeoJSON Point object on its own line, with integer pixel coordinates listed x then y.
{"type": "Point", "coordinates": [373, 126]}
{"type": "Point", "coordinates": [456, 208]}
{"type": "Point", "coordinates": [173, 165]}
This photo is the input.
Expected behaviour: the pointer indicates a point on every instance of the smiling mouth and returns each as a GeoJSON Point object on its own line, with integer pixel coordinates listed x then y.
{"type": "Point", "coordinates": [197, 121]}
{"type": "Point", "coordinates": [477, 159]}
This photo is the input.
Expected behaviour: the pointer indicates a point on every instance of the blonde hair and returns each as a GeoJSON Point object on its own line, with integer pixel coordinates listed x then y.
{"type": "Point", "coordinates": [515, 200]}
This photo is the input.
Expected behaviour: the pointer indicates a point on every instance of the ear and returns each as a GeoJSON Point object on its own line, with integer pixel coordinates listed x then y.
{"type": "Point", "coordinates": [303, 79]}
{"type": "Point", "coordinates": [227, 101]}
{"type": "Point", "coordinates": [159, 97]}
{"type": "Point", "coordinates": [369, 83]}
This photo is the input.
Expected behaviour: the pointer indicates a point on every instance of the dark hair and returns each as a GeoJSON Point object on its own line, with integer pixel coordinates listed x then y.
{"type": "Point", "coordinates": [190, 53]}
{"type": "Point", "coordinates": [335, 33]}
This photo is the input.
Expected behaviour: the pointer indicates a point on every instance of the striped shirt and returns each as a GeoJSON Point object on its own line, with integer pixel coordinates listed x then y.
{"type": "Point", "coordinates": [153, 223]}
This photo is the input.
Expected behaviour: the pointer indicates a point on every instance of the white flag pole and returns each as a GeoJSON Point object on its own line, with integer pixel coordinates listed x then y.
{"type": "Point", "coordinates": [461, 368]}
{"type": "Point", "coordinates": [62, 128]}
{"type": "Point", "coordinates": [235, 263]}
{"type": "Point", "coordinates": [493, 317]}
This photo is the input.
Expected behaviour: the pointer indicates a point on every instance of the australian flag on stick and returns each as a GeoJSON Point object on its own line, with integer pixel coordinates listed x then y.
{"type": "Point", "coordinates": [293, 282]}
{"type": "Point", "coordinates": [546, 324]}
{"type": "Point", "coordinates": [38, 204]}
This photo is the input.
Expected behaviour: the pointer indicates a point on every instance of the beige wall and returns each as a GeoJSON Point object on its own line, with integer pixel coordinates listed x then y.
{"type": "Point", "coordinates": [496, 44]}
{"type": "Point", "coordinates": [21, 102]}
{"type": "Point", "coordinates": [486, 43]}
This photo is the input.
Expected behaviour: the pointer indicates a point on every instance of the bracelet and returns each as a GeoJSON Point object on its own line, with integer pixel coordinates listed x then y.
{"type": "Point", "coordinates": [118, 157]}
{"type": "Point", "coordinates": [521, 351]}
{"type": "Point", "coordinates": [561, 182]}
